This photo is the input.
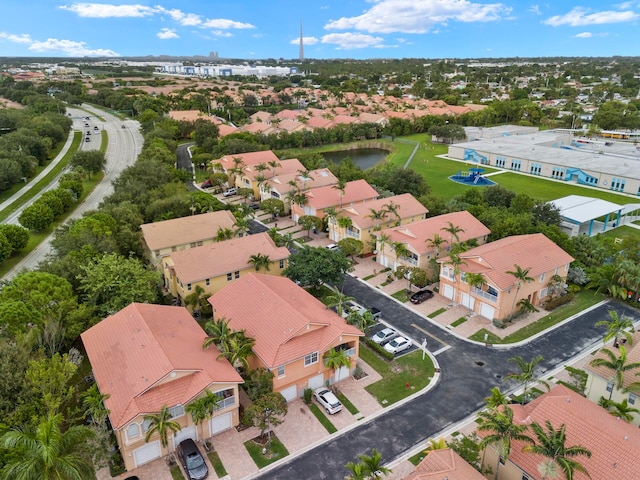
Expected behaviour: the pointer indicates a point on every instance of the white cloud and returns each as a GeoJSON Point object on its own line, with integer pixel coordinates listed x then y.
{"type": "Point", "coordinates": [166, 34]}
{"type": "Point", "coordinates": [418, 16]}
{"type": "Point", "coordinates": [535, 9]}
{"type": "Point", "coordinates": [220, 33]}
{"type": "Point", "coordinates": [101, 10]}
{"type": "Point", "coordinates": [584, 35]}
{"type": "Point", "coordinates": [349, 41]}
{"type": "Point", "coordinates": [22, 38]}
{"type": "Point", "coordinates": [70, 48]}
{"type": "Point", "coordinates": [185, 19]}
{"type": "Point", "coordinates": [580, 17]}
{"type": "Point", "coordinates": [226, 24]}
{"type": "Point", "coordinates": [305, 40]}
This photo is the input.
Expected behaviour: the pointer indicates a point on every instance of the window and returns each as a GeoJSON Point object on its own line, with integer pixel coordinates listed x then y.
{"type": "Point", "coordinates": [207, 282]}
{"type": "Point", "coordinates": [282, 263]}
{"type": "Point", "coordinates": [609, 386]}
{"type": "Point", "coordinates": [281, 371]}
{"type": "Point", "coordinates": [311, 359]}
{"type": "Point", "coordinates": [145, 425]}
{"type": "Point", "coordinates": [516, 164]}
{"type": "Point", "coordinates": [229, 277]}
{"type": "Point", "coordinates": [133, 430]}
{"type": "Point", "coordinates": [557, 172]}
{"type": "Point", "coordinates": [500, 162]}
{"type": "Point", "coordinates": [193, 244]}
{"type": "Point", "coordinates": [617, 184]}
{"type": "Point", "coordinates": [156, 253]}
{"type": "Point", "coordinates": [632, 399]}
{"type": "Point", "coordinates": [535, 169]}
{"type": "Point", "coordinates": [236, 275]}
{"type": "Point", "coordinates": [542, 277]}
{"type": "Point", "coordinates": [199, 243]}
{"type": "Point", "coordinates": [176, 411]}
{"type": "Point", "coordinates": [463, 277]}
{"type": "Point", "coordinates": [188, 286]}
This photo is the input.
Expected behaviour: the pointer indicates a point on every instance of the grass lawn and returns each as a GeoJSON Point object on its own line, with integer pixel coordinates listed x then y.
{"type": "Point", "coordinates": [409, 369]}
{"type": "Point", "coordinates": [623, 232]}
{"type": "Point", "coordinates": [322, 418]}
{"type": "Point", "coordinates": [347, 404]}
{"type": "Point", "coordinates": [273, 454]}
{"type": "Point", "coordinates": [458, 322]}
{"type": "Point", "coordinates": [583, 299]}
{"type": "Point", "coordinates": [214, 458]}
{"type": "Point", "coordinates": [417, 458]}
{"type": "Point", "coordinates": [437, 312]}
{"type": "Point", "coordinates": [401, 295]}
{"type": "Point", "coordinates": [176, 473]}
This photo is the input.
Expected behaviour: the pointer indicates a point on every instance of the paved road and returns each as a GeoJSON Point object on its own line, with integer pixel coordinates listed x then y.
{"type": "Point", "coordinates": [122, 151]}
{"type": "Point", "coordinates": [468, 372]}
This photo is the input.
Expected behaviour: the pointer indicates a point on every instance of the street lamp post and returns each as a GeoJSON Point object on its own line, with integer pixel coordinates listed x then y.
{"type": "Point", "coordinates": [268, 414]}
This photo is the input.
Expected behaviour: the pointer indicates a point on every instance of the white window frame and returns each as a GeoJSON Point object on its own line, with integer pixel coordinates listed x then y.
{"type": "Point", "coordinates": [146, 424]}
{"type": "Point", "coordinates": [176, 411]}
{"type": "Point", "coordinates": [311, 359]}
{"type": "Point", "coordinates": [542, 276]}
{"type": "Point", "coordinates": [131, 437]}
{"type": "Point", "coordinates": [632, 399]}
{"type": "Point", "coordinates": [281, 371]}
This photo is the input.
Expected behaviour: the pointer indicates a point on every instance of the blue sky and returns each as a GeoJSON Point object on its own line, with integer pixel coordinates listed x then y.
{"type": "Point", "coordinates": [258, 29]}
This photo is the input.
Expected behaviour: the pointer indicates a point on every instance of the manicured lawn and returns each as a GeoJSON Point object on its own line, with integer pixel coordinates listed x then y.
{"type": "Point", "coordinates": [417, 458]}
{"type": "Point", "coordinates": [347, 404]}
{"type": "Point", "coordinates": [437, 312]}
{"type": "Point", "coordinates": [214, 458]}
{"type": "Point", "coordinates": [176, 473]}
{"type": "Point", "coordinates": [582, 300]}
{"type": "Point", "coordinates": [409, 369]}
{"type": "Point", "coordinates": [623, 232]}
{"type": "Point", "coordinates": [458, 322]}
{"type": "Point", "coordinates": [273, 454]}
{"type": "Point", "coordinates": [322, 418]}
{"type": "Point", "coordinates": [401, 295]}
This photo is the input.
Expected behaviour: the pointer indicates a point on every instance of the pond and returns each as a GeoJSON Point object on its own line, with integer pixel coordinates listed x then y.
{"type": "Point", "coordinates": [362, 157]}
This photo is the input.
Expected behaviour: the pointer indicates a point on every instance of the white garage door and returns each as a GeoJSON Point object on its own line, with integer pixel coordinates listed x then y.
{"type": "Point", "coordinates": [315, 382]}
{"type": "Point", "coordinates": [448, 291]}
{"type": "Point", "coordinates": [145, 454]}
{"type": "Point", "coordinates": [220, 423]}
{"type": "Point", "coordinates": [290, 393]}
{"type": "Point", "coordinates": [486, 311]}
{"type": "Point", "coordinates": [341, 373]}
{"type": "Point", "coordinates": [467, 301]}
{"type": "Point", "coordinates": [186, 432]}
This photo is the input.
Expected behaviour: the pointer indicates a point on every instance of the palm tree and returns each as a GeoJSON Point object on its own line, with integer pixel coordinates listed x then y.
{"type": "Point", "coordinates": [527, 373]}
{"type": "Point", "coordinates": [338, 299]}
{"type": "Point", "coordinates": [496, 399]}
{"type": "Point", "coordinates": [273, 164]}
{"type": "Point", "coordinates": [93, 403]}
{"type": "Point", "coordinates": [522, 276]}
{"type": "Point", "coordinates": [242, 225]}
{"type": "Point", "coordinates": [475, 280]}
{"type": "Point", "coordinates": [619, 409]}
{"type": "Point", "coordinates": [618, 364]}
{"type": "Point", "coordinates": [335, 360]}
{"type": "Point", "coordinates": [434, 444]}
{"type": "Point", "coordinates": [237, 349]}
{"type": "Point", "coordinates": [617, 327]}
{"type": "Point", "coordinates": [224, 234]}
{"type": "Point", "coordinates": [199, 410]}
{"type": "Point", "coordinates": [195, 299]}
{"type": "Point", "coordinates": [218, 332]}
{"type": "Point", "coordinates": [453, 230]}
{"type": "Point", "coordinates": [436, 242]}
{"type": "Point", "coordinates": [551, 444]}
{"type": "Point", "coordinates": [455, 260]}
{"type": "Point", "coordinates": [341, 186]}
{"type": "Point", "coordinates": [382, 241]}
{"type": "Point", "coordinates": [161, 423]}
{"type": "Point", "coordinates": [377, 216]}
{"type": "Point", "coordinates": [260, 261]}
{"type": "Point", "coordinates": [358, 471]}
{"type": "Point", "coordinates": [331, 213]}
{"type": "Point", "coordinates": [502, 432]}
{"type": "Point", "coordinates": [47, 453]}
{"type": "Point", "coordinates": [373, 466]}
{"type": "Point", "coordinates": [393, 209]}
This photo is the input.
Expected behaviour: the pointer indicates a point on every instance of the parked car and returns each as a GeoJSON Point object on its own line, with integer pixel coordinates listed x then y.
{"type": "Point", "coordinates": [384, 336]}
{"type": "Point", "coordinates": [352, 306]}
{"type": "Point", "coordinates": [375, 312]}
{"type": "Point", "coordinates": [420, 296]}
{"type": "Point", "coordinates": [328, 400]}
{"type": "Point", "coordinates": [398, 344]}
{"type": "Point", "coordinates": [207, 183]}
{"type": "Point", "coordinates": [192, 460]}
{"type": "Point", "coordinates": [333, 247]}
{"type": "Point", "coordinates": [254, 206]}
{"type": "Point", "coordinates": [230, 192]}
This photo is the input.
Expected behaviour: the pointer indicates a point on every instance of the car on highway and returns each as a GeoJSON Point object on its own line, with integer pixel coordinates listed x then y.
{"type": "Point", "coordinates": [420, 296]}
{"type": "Point", "coordinates": [230, 192]}
{"type": "Point", "coordinates": [96, 128]}
{"type": "Point", "coordinates": [88, 139]}
{"type": "Point", "coordinates": [192, 460]}
{"type": "Point", "coordinates": [384, 336]}
{"type": "Point", "coordinates": [328, 400]}
{"type": "Point", "coordinates": [398, 344]}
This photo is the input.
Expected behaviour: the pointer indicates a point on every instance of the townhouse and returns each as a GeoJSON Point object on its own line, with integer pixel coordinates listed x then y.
{"type": "Point", "coordinates": [281, 186]}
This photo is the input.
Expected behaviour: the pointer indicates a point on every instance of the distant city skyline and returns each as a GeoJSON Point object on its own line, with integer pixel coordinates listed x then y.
{"type": "Point", "coordinates": [359, 29]}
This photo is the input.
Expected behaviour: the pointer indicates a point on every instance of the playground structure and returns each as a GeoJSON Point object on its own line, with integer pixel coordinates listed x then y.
{"type": "Point", "coordinates": [473, 177]}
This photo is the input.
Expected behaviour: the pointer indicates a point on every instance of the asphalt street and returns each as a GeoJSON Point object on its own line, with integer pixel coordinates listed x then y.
{"type": "Point", "coordinates": [468, 371]}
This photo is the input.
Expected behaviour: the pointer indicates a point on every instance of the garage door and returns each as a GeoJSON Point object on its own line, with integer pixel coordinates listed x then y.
{"type": "Point", "coordinates": [486, 311]}
{"type": "Point", "coordinates": [315, 382]}
{"type": "Point", "coordinates": [467, 301]}
{"type": "Point", "coordinates": [187, 432]}
{"type": "Point", "coordinates": [290, 393]}
{"type": "Point", "coordinates": [448, 291]}
{"type": "Point", "coordinates": [145, 454]}
{"type": "Point", "coordinates": [220, 423]}
{"type": "Point", "coordinates": [341, 374]}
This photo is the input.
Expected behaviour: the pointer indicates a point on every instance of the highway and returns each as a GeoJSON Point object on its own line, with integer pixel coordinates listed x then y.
{"type": "Point", "coordinates": [124, 146]}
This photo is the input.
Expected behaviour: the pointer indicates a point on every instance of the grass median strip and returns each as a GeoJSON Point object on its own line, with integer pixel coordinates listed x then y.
{"type": "Point", "coordinates": [214, 458]}
{"type": "Point", "coordinates": [347, 404]}
{"type": "Point", "coordinates": [458, 322]}
{"type": "Point", "coordinates": [322, 418]}
{"type": "Point", "coordinates": [437, 312]}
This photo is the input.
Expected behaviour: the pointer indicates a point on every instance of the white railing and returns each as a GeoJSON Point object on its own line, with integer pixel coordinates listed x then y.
{"type": "Point", "coordinates": [225, 403]}
{"type": "Point", "coordinates": [350, 352]}
{"type": "Point", "coordinates": [483, 294]}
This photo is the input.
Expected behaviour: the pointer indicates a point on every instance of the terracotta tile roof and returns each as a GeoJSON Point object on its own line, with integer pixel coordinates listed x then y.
{"type": "Point", "coordinates": [318, 122]}
{"type": "Point", "coordinates": [224, 130]}
{"type": "Point", "coordinates": [614, 444]}
{"type": "Point", "coordinates": [319, 178]}
{"type": "Point", "coordinates": [251, 158]}
{"type": "Point", "coordinates": [258, 127]}
{"type": "Point", "coordinates": [141, 345]}
{"type": "Point", "coordinates": [416, 234]}
{"type": "Point", "coordinates": [188, 115]}
{"type": "Point", "coordinates": [219, 258]}
{"type": "Point", "coordinates": [633, 356]}
{"type": "Point", "coordinates": [292, 165]}
{"type": "Point", "coordinates": [180, 231]}
{"type": "Point", "coordinates": [445, 463]}
{"type": "Point", "coordinates": [534, 251]}
{"type": "Point", "coordinates": [286, 321]}
{"type": "Point", "coordinates": [344, 120]}
{"type": "Point", "coordinates": [356, 191]}
{"type": "Point", "coordinates": [360, 213]}
{"type": "Point", "coordinates": [291, 126]}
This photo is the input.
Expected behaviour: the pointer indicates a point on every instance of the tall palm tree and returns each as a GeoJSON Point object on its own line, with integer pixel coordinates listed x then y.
{"type": "Point", "coordinates": [93, 403]}
{"type": "Point", "coordinates": [527, 373]}
{"type": "Point", "coordinates": [475, 280]}
{"type": "Point", "coordinates": [617, 327]}
{"type": "Point", "coordinates": [273, 164]}
{"type": "Point", "coordinates": [522, 276]}
{"type": "Point", "coordinates": [358, 471]}
{"type": "Point", "coordinates": [335, 360]}
{"type": "Point", "coordinates": [331, 213]}
{"type": "Point", "coordinates": [237, 349]}
{"type": "Point", "coordinates": [260, 261]}
{"type": "Point", "coordinates": [377, 216]}
{"type": "Point", "coordinates": [162, 424]}
{"type": "Point", "coordinates": [382, 241]}
{"type": "Point", "coordinates": [224, 234]}
{"type": "Point", "coordinates": [551, 444]}
{"type": "Point", "coordinates": [200, 411]}
{"type": "Point", "coordinates": [496, 399]}
{"type": "Point", "coordinates": [195, 299]}
{"type": "Point", "coordinates": [617, 364]}
{"type": "Point", "coordinates": [341, 186]}
{"type": "Point", "coordinates": [242, 225]}
{"type": "Point", "coordinates": [455, 261]}
{"type": "Point", "coordinates": [345, 223]}
{"type": "Point", "coordinates": [502, 431]}
{"type": "Point", "coordinates": [619, 409]}
{"type": "Point", "coordinates": [46, 452]}
{"type": "Point", "coordinates": [338, 299]}
{"type": "Point", "coordinates": [436, 242]}
{"type": "Point", "coordinates": [453, 231]}
{"type": "Point", "coordinates": [393, 209]}
{"type": "Point", "coordinates": [218, 331]}
{"type": "Point", "coordinates": [373, 464]}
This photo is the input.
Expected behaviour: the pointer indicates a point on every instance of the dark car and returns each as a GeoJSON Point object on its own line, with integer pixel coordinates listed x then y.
{"type": "Point", "coordinates": [254, 206]}
{"type": "Point", "coordinates": [192, 460]}
{"type": "Point", "coordinates": [421, 296]}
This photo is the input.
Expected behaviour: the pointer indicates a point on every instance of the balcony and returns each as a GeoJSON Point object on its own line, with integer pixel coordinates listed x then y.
{"type": "Point", "coordinates": [225, 403]}
{"type": "Point", "coordinates": [485, 295]}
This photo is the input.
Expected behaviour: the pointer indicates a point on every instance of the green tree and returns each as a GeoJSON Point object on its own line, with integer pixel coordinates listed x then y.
{"type": "Point", "coordinates": [17, 236]}
{"type": "Point", "coordinates": [496, 399]}
{"type": "Point", "coordinates": [315, 266]}
{"type": "Point", "coordinates": [338, 299]}
{"type": "Point", "coordinates": [335, 360]}
{"type": "Point", "coordinates": [92, 161]}
{"type": "Point", "coordinates": [46, 452]}
{"type": "Point", "coordinates": [197, 300]}
{"type": "Point", "coordinates": [237, 349]}
{"type": "Point", "coordinates": [5, 248]}
{"type": "Point", "coordinates": [527, 375]}
{"type": "Point", "coordinates": [350, 246]}
{"type": "Point", "coordinates": [37, 217]}
{"type": "Point", "coordinates": [436, 242]}
{"type": "Point", "coordinates": [551, 443]}
{"type": "Point", "coordinates": [266, 412]}
{"type": "Point", "coordinates": [522, 276]}
{"type": "Point", "coordinates": [260, 262]}
{"type": "Point", "coordinates": [93, 404]}
{"type": "Point", "coordinates": [617, 327]}
{"type": "Point", "coordinates": [373, 465]}
{"type": "Point", "coordinates": [502, 431]}
{"type": "Point", "coordinates": [199, 409]}
{"type": "Point", "coordinates": [273, 206]}
{"type": "Point", "coordinates": [258, 382]}
{"type": "Point", "coordinates": [49, 380]}
{"type": "Point", "coordinates": [161, 424]}
{"type": "Point", "coordinates": [619, 409]}
{"type": "Point", "coordinates": [218, 331]}
{"type": "Point", "coordinates": [307, 222]}
{"type": "Point", "coordinates": [618, 364]}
